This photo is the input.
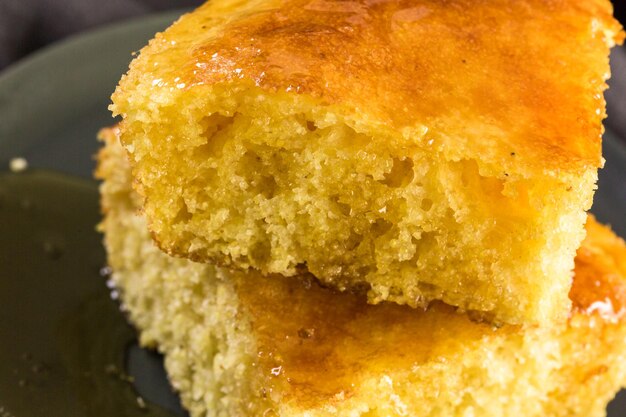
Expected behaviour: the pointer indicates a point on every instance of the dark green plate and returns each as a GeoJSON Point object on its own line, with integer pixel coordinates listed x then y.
{"type": "Point", "coordinates": [65, 348]}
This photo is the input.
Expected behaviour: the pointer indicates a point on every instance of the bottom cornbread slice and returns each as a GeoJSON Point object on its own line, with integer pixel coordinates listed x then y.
{"type": "Point", "coordinates": [276, 346]}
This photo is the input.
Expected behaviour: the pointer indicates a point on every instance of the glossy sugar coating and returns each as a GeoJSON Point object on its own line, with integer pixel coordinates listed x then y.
{"type": "Point", "coordinates": [416, 151]}
{"type": "Point", "coordinates": [237, 345]}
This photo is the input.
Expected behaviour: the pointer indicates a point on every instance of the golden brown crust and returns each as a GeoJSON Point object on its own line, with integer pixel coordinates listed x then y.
{"type": "Point", "coordinates": [514, 84]}
{"type": "Point", "coordinates": [599, 283]}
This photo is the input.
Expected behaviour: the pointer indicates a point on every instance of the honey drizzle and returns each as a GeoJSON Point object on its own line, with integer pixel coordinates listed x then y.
{"type": "Point", "coordinates": [316, 345]}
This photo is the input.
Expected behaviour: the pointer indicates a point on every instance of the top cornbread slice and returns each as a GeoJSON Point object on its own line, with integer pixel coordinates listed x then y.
{"type": "Point", "coordinates": [419, 150]}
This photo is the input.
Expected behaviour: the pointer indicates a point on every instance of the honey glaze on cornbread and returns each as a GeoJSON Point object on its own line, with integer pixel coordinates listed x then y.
{"type": "Point", "coordinates": [599, 285]}
{"type": "Point", "coordinates": [315, 344]}
{"type": "Point", "coordinates": [449, 64]}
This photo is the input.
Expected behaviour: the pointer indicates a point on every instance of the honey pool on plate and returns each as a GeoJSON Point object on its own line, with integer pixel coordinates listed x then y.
{"type": "Point", "coordinates": [66, 349]}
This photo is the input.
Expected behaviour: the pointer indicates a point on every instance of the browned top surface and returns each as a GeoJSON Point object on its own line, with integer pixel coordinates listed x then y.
{"type": "Point", "coordinates": [600, 281]}
{"type": "Point", "coordinates": [314, 342]}
{"type": "Point", "coordinates": [487, 77]}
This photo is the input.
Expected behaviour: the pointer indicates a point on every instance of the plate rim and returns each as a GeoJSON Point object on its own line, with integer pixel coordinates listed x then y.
{"type": "Point", "coordinates": [88, 36]}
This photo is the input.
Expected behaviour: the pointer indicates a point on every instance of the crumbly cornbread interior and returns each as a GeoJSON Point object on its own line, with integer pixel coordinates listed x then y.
{"type": "Point", "coordinates": [269, 184]}
{"type": "Point", "coordinates": [341, 141]}
{"type": "Point", "coordinates": [237, 345]}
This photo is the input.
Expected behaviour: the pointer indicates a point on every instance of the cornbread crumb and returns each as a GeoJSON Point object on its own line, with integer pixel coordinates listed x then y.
{"type": "Point", "coordinates": [418, 153]}
{"type": "Point", "coordinates": [18, 165]}
{"type": "Point", "coordinates": [141, 403]}
{"type": "Point", "coordinates": [278, 346]}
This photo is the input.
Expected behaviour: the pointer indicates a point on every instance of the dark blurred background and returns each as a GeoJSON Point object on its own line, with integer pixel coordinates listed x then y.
{"type": "Point", "coordinates": [27, 25]}
{"type": "Point", "coordinates": [620, 10]}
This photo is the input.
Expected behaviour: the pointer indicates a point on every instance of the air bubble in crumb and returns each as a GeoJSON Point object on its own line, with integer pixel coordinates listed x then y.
{"type": "Point", "coordinates": [18, 164]}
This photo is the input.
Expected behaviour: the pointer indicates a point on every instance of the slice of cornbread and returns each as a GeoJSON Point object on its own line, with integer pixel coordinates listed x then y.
{"type": "Point", "coordinates": [242, 345]}
{"type": "Point", "coordinates": [417, 149]}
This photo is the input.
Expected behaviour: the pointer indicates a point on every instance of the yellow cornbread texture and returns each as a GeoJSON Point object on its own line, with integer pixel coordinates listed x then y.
{"type": "Point", "coordinates": [420, 150]}
{"type": "Point", "coordinates": [241, 345]}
